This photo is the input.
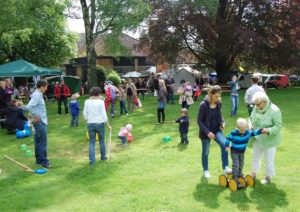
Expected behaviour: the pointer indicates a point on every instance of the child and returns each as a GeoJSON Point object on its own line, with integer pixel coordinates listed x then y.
{"type": "Point", "coordinates": [74, 107]}
{"type": "Point", "coordinates": [239, 139]}
{"type": "Point", "coordinates": [122, 101]}
{"type": "Point", "coordinates": [183, 126]}
{"type": "Point", "coordinates": [124, 133]}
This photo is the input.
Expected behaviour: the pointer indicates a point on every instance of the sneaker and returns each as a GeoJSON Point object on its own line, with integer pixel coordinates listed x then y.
{"type": "Point", "coordinates": [227, 170]}
{"type": "Point", "coordinates": [126, 114]}
{"type": "Point", "coordinates": [265, 181]}
{"type": "Point", "coordinates": [46, 165]}
{"type": "Point", "coordinates": [158, 123]}
{"type": "Point", "coordinates": [206, 174]}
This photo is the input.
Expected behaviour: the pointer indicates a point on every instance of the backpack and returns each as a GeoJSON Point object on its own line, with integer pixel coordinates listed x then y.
{"type": "Point", "coordinates": [112, 92]}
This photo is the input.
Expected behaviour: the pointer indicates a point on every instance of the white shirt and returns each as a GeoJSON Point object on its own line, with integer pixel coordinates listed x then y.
{"type": "Point", "coordinates": [94, 111]}
{"type": "Point", "coordinates": [251, 91]}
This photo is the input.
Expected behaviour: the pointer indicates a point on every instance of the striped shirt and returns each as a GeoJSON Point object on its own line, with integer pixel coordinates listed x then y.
{"type": "Point", "coordinates": [238, 140]}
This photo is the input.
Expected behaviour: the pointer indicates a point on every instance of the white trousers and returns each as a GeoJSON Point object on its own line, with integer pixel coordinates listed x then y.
{"type": "Point", "coordinates": [269, 156]}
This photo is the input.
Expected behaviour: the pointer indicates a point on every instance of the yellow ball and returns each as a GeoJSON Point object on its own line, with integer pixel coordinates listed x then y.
{"type": "Point", "coordinates": [88, 136]}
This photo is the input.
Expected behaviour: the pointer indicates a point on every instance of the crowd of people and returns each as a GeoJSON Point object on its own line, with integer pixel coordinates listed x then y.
{"type": "Point", "coordinates": [265, 118]}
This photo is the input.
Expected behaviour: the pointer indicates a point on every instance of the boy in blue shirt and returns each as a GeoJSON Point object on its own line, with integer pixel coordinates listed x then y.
{"type": "Point", "coordinates": [183, 126]}
{"type": "Point", "coordinates": [239, 139]}
{"type": "Point", "coordinates": [74, 107]}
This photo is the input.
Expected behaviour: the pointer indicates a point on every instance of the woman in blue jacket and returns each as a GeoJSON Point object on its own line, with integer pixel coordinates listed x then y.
{"type": "Point", "coordinates": [211, 124]}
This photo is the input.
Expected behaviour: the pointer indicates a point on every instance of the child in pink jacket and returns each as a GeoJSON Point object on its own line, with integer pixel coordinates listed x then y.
{"type": "Point", "coordinates": [125, 133]}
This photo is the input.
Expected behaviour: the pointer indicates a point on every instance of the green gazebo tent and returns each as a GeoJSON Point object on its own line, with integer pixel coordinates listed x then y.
{"type": "Point", "coordinates": [22, 68]}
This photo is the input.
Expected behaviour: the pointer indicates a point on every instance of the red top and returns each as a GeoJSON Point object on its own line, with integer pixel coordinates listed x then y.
{"type": "Point", "coordinates": [58, 93]}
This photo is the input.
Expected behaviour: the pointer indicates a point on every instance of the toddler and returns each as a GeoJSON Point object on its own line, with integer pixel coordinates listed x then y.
{"type": "Point", "coordinates": [74, 107]}
{"type": "Point", "coordinates": [239, 139]}
{"type": "Point", "coordinates": [124, 133]}
{"type": "Point", "coordinates": [183, 125]}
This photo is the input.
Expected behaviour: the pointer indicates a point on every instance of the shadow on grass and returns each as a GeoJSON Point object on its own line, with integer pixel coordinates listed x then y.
{"type": "Point", "coordinates": [240, 198]}
{"type": "Point", "coordinates": [268, 197]}
{"type": "Point", "coordinates": [208, 193]}
{"type": "Point", "coordinates": [181, 147]}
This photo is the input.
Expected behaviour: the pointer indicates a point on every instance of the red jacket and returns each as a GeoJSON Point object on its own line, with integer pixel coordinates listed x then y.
{"type": "Point", "coordinates": [57, 91]}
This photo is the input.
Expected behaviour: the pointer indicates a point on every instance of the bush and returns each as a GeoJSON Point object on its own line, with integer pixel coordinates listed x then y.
{"type": "Point", "coordinates": [114, 77]}
{"type": "Point", "coordinates": [101, 73]}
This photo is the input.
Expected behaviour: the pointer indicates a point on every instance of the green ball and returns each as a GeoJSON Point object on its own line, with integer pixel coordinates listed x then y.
{"type": "Point", "coordinates": [166, 139]}
{"type": "Point", "coordinates": [28, 153]}
{"type": "Point", "coordinates": [23, 147]}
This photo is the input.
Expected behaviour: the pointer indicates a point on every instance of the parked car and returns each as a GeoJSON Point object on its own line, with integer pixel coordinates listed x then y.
{"type": "Point", "coordinates": [277, 81]}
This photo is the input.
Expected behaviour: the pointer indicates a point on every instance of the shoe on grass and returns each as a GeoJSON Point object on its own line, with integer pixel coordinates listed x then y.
{"type": "Point", "coordinates": [227, 170]}
{"type": "Point", "coordinates": [206, 174]}
{"type": "Point", "coordinates": [265, 181]}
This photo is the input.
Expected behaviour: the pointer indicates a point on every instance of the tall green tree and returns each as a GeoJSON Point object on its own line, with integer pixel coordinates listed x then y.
{"type": "Point", "coordinates": [221, 32]}
{"type": "Point", "coordinates": [102, 17]}
{"type": "Point", "coordinates": [36, 31]}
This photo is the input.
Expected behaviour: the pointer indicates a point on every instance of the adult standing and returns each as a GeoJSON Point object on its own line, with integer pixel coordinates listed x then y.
{"type": "Point", "coordinates": [37, 109]}
{"type": "Point", "coordinates": [131, 94]}
{"type": "Point", "coordinates": [95, 114]}
{"type": "Point", "coordinates": [9, 90]}
{"type": "Point", "coordinates": [211, 124]}
{"type": "Point", "coordinates": [162, 100]}
{"type": "Point", "coordinates": [170, 82]}
{"type": "Point", "coordinates": [265, 116]}
{"type": "Point", "coordinates": [250, 92]}
{"type": "Point", "coordinates": [110, 97]}
{"type": "Point", "coordinates": [62, 92]}
{"type": "Point", "coordinates": [185, 92]}
{"type": "Point", "coordinates": [3, 103]}
{"type": "Point", "coordinates": [234, 95]}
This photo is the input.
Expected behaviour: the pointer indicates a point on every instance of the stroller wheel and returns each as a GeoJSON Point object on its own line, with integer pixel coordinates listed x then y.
{"type": "Point", "coordinates": [232, 185]}
{"type": "Point", "coordinates": [242, 182]}
{"type": "Point", "coordinates": [223, 181]}
{"type": "Point", "coordinates": [250, 181]}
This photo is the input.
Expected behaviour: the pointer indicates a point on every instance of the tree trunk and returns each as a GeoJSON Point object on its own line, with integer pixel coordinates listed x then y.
{"type": "Point", "coordinates": [220, 55]}
{"type": "Point", "coordinates": [89, 22]}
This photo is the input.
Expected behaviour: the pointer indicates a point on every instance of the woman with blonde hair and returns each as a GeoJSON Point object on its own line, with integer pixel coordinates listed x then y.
{"type": "Point", "coordinates": [211, 124]}
{"type": "Point", "coordinates": [162, 100]}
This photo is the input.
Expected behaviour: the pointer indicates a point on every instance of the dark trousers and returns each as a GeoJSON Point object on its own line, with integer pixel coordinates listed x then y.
{"type": "Point", "coordinates": [160, 114]}
{"type": "Point", "coordinates": [184, 104]}
{"type": "Point", "coordinates": [184, 138]}
{"type": "Point", "coordinates": [40, 141]}
{"type": "Point", "coordinates": [170, 97]}
{"type": "Point", "coordinates": [74, 121]}
{"type": "Point", "coordinates": [250, 108]}
{"type": "Point", "coordinates": [123, 107]}
{"type": "Point", "coordinates": [237, 165]}
{"type": "Point", "coordinates": [65, 101]}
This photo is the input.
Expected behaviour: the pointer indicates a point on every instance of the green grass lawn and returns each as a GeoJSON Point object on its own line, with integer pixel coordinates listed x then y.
{"type": "Point", "coordinates": [148, 175]}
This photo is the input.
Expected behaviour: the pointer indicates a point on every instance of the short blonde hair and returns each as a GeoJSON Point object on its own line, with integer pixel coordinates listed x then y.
{"type": "Point", "coordinates": [241, 122]}
{"type": "Point", "coordinates": [74, 97]}
{"type": "Point", "coordinates": [184, 111]}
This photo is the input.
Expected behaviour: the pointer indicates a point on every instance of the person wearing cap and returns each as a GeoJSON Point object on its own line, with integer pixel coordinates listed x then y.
{"type": "Point", "coordinates": [110, 97]}
{"type": "Point", "coordinates": [250, 92]}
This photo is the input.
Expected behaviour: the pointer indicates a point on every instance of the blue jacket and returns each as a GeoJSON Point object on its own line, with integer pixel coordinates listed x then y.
{"type": "Point", "coordinates": [74, 107]}
{"type": "Point", "coordinates": [204, 118]}
{"type": "Point", "coordinates": [183, 124]}
{"type": "Point", "coordinates": [233, 86]}
{"type": "Point", "coordinates": [239, 141]}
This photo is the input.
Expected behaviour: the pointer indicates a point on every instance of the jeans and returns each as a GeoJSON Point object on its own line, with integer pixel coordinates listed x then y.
{"type": "Point", "coordinates": [184, 138]}
{"type": "Point", "coordinates": [40, 142]}
{"type": "Point", "coordinates": [112, 108]}
{"type": "Point", "coordinates": [237, 165]}
{"type": "Point", "coordinates": [170, 97]}
{"type": "Point", "coordinates": [123, 138]}
{"type": "Point", "coordinates": [98, 128]}
{"type": "Point", "coordinates": [234, 104]}
{"type": "Point", "coordinates": [123, 107]}
{"type": "Point", "coordinates": [74, 121]}
{"type": "Point", "coordinates": [220, 139]}
{"type": "Point", "coordinates": [65, 101]}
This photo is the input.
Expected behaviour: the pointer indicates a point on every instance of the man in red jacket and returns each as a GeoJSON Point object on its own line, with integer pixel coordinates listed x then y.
{"type": "Point", "coordinates": [62, 92]}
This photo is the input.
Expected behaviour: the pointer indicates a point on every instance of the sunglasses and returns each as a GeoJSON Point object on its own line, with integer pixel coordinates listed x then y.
{"type": "Point", "coordinates": [257, 105]}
